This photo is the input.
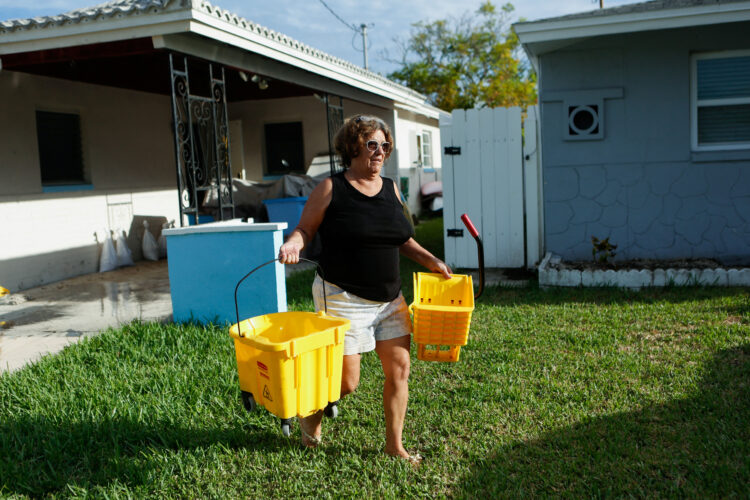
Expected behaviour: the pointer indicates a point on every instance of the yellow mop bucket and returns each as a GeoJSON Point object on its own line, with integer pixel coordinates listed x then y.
{"type": "Point", "coordinates": [441, 310]}
{"type": "Point", "coordinates": [290, 362]}
{"type": "Point", "coordinates": [442, 315]}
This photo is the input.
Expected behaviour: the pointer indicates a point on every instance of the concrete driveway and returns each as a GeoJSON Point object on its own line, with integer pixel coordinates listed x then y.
{"type": "Point", "coordinates": [45, 319]}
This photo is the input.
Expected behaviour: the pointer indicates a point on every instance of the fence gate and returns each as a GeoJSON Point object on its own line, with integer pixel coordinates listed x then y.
{"type": "Point", "coordinates": [491, 175]}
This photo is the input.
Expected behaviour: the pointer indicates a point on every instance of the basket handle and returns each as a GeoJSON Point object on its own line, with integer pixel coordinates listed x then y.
{"type": "Point", "coordinates": [236, 307]}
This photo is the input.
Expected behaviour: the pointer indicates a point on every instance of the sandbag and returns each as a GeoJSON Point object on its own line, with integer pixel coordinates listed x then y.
{"type": "Point", "coordinates": [163, 239]}
{"type": "Point", "coordinates": [150, 247]}
{"type": "Point", "coordinates": [108, 259]}
{"type": "Point", "coordinates": [124, 257]}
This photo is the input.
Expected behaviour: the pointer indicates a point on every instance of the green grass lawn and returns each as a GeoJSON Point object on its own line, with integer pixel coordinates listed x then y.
{"type": "Point", "coordinates": [573, 393]}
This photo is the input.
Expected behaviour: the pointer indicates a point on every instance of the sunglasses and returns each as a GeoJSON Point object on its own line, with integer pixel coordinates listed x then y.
{"type": "Point", "coordinates": [373, 146]}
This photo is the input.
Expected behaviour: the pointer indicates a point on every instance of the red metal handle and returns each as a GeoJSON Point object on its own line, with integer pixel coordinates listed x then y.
{"type": "Point", "coordinates": [480, 250]}
{"type": "Point", "coordinates": [469, 225]}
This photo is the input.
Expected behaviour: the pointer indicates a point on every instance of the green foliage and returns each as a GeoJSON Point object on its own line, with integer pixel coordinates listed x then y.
{"type": "Point", "coordinates": [602, 250]}
{"type": "Point", "coordinates": [469, 62]}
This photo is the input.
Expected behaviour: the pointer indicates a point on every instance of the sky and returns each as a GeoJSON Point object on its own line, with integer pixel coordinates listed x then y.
{"type": "Point", "coordinates": [310, 22]}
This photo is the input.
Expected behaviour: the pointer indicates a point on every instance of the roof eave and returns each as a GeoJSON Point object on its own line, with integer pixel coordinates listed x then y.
{"type": "Point", "coordinates": [426, 110]}
{"type": "Point", "coordinates": [217, 25]}
{"type": "Point", "coordinates": [103, 30]}
{"type": "Point", "coordinates": [227, 32]}
{"type": "Point", "coordinates": [536, 36]}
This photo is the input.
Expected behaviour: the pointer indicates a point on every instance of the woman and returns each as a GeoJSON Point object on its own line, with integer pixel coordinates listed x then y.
{"type": "Point", "coordinates": [362, 228]}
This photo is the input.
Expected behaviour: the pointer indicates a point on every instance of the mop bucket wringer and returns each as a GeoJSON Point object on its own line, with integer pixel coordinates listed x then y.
{"type": "Point", "coordinates": [290, 362]}
{"type": "Point", "coordinates": [442, 308]}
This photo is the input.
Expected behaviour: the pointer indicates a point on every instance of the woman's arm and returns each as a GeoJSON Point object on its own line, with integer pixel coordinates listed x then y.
{"type": "Point", "coordinates": [309, 222]}
{"type": "Point", "coordinates": [420, 255]}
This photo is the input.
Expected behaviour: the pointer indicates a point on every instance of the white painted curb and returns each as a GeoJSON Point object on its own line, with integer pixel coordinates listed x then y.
{"type": "Point", "coordinates": [636, 279]}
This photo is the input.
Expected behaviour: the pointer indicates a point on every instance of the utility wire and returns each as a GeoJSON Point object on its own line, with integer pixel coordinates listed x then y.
{"type": "Point", "coordinates": [350, 26]}
{"type": "Point", "coordinates": [361, 30]}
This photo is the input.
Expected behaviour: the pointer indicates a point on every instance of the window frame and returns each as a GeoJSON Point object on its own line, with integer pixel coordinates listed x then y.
{"type": "Point", "coordinates": [422, 147]}
{"type": "Point", "coordinates": [695, 103]}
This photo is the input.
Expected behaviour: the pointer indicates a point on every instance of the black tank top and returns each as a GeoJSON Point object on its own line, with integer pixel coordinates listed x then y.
{"type": "Point", "coordinates": [361, 236]}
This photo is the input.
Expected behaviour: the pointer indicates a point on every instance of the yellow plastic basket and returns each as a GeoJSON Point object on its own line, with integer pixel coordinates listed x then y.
{"type": "Point", "coordinates": [290, 362]}
{"type": "Point", "coordinates": [442, 314]}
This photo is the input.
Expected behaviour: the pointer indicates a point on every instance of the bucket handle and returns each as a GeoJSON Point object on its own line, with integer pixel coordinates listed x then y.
{"type": "Point", "coordinates": [236, 307]}
{"type": "Point", "coordinates": [480, 251]}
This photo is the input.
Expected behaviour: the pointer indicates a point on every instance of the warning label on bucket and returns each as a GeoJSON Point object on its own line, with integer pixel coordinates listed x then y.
{"type": "Point", "coordinates": [267, 393]}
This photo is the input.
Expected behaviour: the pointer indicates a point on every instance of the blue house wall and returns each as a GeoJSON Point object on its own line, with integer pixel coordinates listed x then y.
{"type": "Point", "coordinates": [640, 184]}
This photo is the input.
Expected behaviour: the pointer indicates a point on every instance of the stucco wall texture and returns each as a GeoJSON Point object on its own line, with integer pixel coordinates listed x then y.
{"type": "Point", "coordinates": [641, 185]}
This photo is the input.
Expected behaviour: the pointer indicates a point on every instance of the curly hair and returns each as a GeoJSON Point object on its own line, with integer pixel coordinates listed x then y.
{"type": "Point", "coordinates": [350, 139]}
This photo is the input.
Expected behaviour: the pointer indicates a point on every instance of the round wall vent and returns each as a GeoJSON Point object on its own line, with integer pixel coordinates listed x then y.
{"type": "Point", "coordinates": [583, 120]}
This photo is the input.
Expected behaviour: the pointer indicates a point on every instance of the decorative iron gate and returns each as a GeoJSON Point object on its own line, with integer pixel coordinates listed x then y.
{"type": "Point", "coordinates": [335, 117]}
{"type": "Point", "coordinates": [201, 132]}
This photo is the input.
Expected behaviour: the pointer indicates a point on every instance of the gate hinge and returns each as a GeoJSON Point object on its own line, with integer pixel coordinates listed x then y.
{"type": "Point", "coordinates": [455, 233]}
{"type": "Point", "coordinates": [452, 150]}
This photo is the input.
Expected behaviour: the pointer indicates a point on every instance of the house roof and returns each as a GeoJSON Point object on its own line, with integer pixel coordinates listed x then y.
{"type": "Point", "coordinates": [127, 19]}
{"type": "Point", "coordinates": [651, 6]}
{"type": "Point", "coordinates": [545, 35]}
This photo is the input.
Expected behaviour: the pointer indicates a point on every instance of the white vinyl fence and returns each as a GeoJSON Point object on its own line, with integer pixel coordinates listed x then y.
{"type": "Point", "coordinates": [492, 174]}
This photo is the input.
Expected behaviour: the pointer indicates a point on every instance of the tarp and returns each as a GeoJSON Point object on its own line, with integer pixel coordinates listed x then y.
{"type": "Point", "coordinates": [249, 195]}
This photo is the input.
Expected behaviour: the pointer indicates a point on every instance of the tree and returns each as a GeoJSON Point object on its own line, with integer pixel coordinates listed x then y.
{"type": "Point", "coordinates": [468, 62]}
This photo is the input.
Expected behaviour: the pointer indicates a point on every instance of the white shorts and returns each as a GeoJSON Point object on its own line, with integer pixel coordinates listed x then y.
{"type": "Point", "coordinates": [370, 321]}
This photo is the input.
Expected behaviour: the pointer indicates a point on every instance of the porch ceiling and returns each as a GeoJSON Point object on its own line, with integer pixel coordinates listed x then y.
{"type": "Point", "coordinates": [137, 65]}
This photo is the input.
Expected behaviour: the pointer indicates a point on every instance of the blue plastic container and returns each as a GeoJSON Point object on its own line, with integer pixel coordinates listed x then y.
{"type": "Point", "coordinates": [202, 218]}
{"type": "Point", "coordinates": [287, 210]}
{"type": "Point", "coordinates": [206, 261]}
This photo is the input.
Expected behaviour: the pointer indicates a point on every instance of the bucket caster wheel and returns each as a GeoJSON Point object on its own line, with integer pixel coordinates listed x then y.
{"type": "Point", "coordinates": [332, 410]}
{"type": "Point", "coordinates": [286, 427]}
{"type": "Point", "coordinates": [248, 401]}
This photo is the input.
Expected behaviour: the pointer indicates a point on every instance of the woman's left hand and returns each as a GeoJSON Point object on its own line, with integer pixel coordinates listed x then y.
{"type": "Point", "coordinates": [419, 254]}
{"type": "Point", "coordinates": [442, 268]}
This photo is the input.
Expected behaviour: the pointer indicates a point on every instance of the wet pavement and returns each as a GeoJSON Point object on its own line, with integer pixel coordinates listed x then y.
{"type": "Point", "coordinates": [45, 319]}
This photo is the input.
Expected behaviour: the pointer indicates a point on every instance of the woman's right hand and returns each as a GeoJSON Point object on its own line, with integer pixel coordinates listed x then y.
{"type": "Point", "coordinates": [289, 252]}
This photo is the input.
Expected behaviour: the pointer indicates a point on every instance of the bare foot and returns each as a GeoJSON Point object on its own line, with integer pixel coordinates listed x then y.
{"type": "Point", "coordinates": [413, 458]}
{"type": "Point", "coordinates": [311, 431]}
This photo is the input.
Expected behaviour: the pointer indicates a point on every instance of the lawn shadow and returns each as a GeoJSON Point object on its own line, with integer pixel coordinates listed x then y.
{"type": "Point", "coordinates": [696, 447]}
{"type": "Point", "coordinates": [41, 457]}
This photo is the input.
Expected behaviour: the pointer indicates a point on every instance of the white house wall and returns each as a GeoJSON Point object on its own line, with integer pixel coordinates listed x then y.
{"type": "Point", "coordinates": [126, 136]}
{"type": "Point", "coordinates": [408, 126]}
{"type": "Point", "coordinates": [128, 153]}
{"type": "Point", "coordinates": [46, 240]}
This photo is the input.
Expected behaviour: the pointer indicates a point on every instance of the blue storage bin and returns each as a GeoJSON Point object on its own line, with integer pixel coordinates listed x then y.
{"type": "Point", "coordinates": [287, 210]}
{"type": "Point", "coordinates": [206, 262]}
{"type": "Point", "coordinates": [202, 218]}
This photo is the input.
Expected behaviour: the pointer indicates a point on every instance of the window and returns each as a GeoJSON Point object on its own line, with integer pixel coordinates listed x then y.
{"type": "Point", "coordinates": [284, 148]}
{"type": "Point", "coordinates": [720, 95]}
{"type": "Point", "coordinates": [426, 151]}
{"type": "Point", "coordinates": [60, 152]}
